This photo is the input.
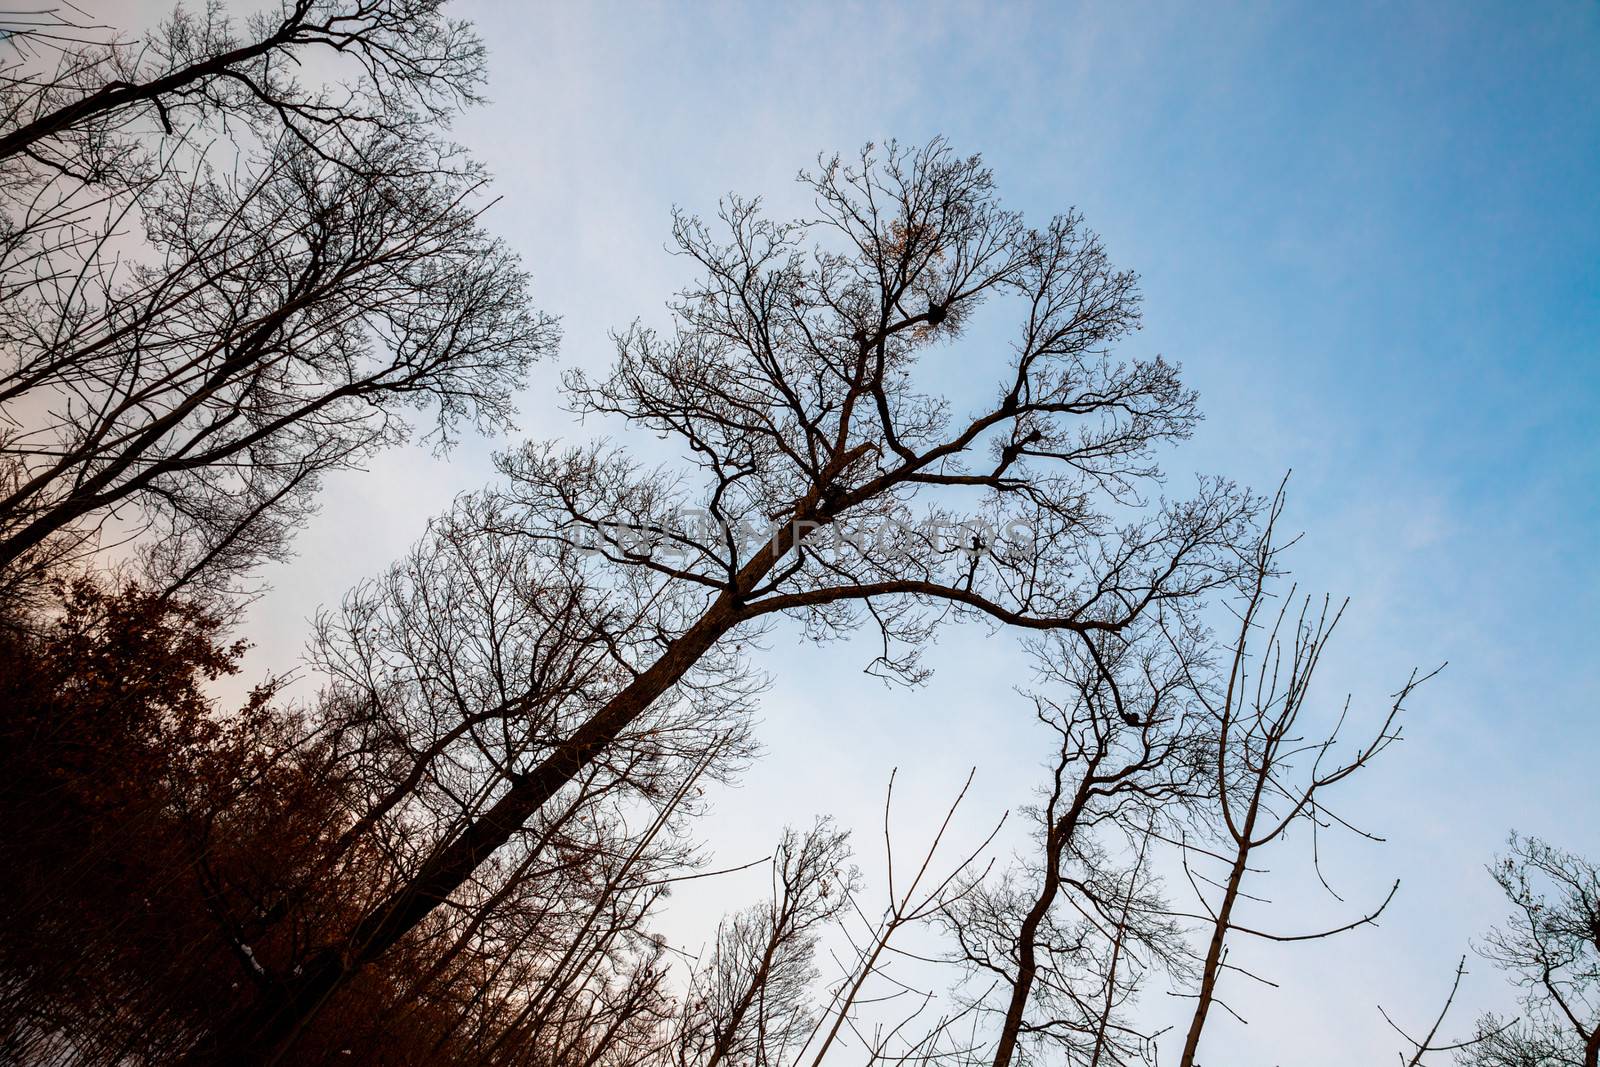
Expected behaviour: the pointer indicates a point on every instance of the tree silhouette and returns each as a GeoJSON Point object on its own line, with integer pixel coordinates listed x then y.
{"type": "Point", "coordinates": [1551, 948]}
{"type": "Point", "coordinates": [218, 282]}
{"type": "Point", "coordinates": [790, 382]}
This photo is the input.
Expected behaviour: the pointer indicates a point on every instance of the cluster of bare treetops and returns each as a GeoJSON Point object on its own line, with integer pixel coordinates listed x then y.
{"type": "Point", "coordinates": [240, 254]}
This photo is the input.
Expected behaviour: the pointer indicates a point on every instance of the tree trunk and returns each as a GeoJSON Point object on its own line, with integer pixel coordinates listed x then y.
{"type": "Point", "coordinates": [265, 1033]}
{"type": "Point", "coordinates": [1219, 931]}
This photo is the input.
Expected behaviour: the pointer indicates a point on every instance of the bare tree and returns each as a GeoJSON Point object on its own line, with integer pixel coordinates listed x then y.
{"type": "Point", "coordinates": [447, 676]}
{"type": "Point", "coordinates": [1259, 793]}
{"type": "Point", "coordinates": [1064, 941]}
{"type": "Point", "coordinates": [1551, 949]}
{"type": "Point", "coordinates": [218, 283]}
{"type": "Point", "coordinates": [196, 66]}
{"type": "Point", "coordinates": [790, 382]}
{"type": "Point", "coordinates": [749, 1002]}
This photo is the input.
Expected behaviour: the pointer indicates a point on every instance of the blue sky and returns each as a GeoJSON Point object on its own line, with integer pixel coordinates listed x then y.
{"type": "Point", "coordinates": [1369, 233]}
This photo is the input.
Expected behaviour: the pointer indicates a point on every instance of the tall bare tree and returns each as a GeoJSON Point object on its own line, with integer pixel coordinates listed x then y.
{"type": "Point", "coordinates": [791, 383]}
{"type": "Point", "coordinates": [446, 677]}
{"type": "Point", "coordinates": [1268, 777]}
{"type": "Point", "coordinates": [1061, 944]}
{"type": "Point", "coordinates": [219, 282]}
